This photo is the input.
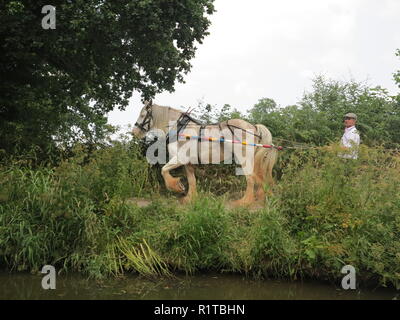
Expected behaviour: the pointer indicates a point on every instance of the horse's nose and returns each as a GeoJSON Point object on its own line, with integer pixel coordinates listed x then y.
{"type": "Point", "coordinates": [136, 131]}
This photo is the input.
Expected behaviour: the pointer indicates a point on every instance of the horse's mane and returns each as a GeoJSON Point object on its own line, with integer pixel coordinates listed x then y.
{"type": "Point", "coordinates": [162, 115]}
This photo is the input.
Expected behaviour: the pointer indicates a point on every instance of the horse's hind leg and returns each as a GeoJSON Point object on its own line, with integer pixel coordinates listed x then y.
{"type": "Point", "coordinates": [173, 184]}
{"type": "Point", "coordinates": [262, 178]}
{"type": "Point", "coordinates": [248, 197]}
{"type": "Point", "coordinates": [260, 193]}
{"type": "Point", "coordinates": [192, 192]}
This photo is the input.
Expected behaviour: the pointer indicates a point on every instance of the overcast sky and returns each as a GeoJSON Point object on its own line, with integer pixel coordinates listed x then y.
{"type": "Point", "coordinates": [273, 49]}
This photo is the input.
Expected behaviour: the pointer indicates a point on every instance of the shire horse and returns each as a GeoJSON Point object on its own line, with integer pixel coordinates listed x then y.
{"type": "Point", "coordinates": [256, 162]}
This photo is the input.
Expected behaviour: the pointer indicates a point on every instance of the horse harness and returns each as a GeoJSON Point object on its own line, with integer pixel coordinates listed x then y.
{"type": "Point", "coordinates": [184, 120]}
{"type": "Point", "coordinates": [146, 123]}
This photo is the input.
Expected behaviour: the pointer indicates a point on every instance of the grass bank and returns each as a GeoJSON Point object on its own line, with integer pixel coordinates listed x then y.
{"type": "Point", "coordinates": [325, 213]}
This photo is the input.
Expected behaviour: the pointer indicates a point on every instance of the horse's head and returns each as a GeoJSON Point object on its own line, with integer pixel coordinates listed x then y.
{"type": "Point", "coordinates": [145, 121]}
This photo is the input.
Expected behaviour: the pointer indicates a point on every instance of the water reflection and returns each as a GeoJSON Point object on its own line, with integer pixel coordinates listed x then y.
{"type": "Point", "coordinates": [202, 287]}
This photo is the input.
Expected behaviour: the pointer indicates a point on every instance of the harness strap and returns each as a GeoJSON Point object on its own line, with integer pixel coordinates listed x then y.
{"type": "Point", "coordinates": [181, 124]}
{"type": "Point", "coordinates": [147, 118]}
{"type": "Point", "coordinates": [202, 127]}
{"type": "Point", "coordinates": [183, 121]}
{"type": "Point", "coordinates": [231, 125]}
{"type": "Point", "coordinates": [233, 138]}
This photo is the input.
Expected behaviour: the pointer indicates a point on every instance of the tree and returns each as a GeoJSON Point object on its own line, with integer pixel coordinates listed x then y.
{"type": "Point", "coordinates": [209, 114]}
{"type": "Point", "coordinates": [397, 74]}
{"type": "Point", "coordinates": [225, 113]}
{"type": "Point", "coordinates": [396, 77]}
{"type": "Point", "coordinates": [263, 107]}
{"type": "Point", "coordinates": [204, 112]}
{"type": "Point", "coordinates": [374, 106]}
{"type": "Point", "coordinates": [318, 118]}
{"type": "Point", "coordinates": [63, 81]}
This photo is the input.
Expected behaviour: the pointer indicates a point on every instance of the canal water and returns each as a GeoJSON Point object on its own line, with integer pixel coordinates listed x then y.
{"type": "Point", "coordinates": [200, 287]}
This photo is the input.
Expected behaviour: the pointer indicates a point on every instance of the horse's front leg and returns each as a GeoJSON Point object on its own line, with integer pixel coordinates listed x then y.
{"type": "Point", "coordinates": [192, 192]}
{"type": "Point", "coordinates": [173, 184]}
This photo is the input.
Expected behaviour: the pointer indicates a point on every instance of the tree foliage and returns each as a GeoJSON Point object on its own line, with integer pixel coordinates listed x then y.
{"type": "Point", "coordinates": [397, 74]}
{"type": "Point", "coordinates": [63, 81]}
{"type": "Point", "coordinates": [318, 118]}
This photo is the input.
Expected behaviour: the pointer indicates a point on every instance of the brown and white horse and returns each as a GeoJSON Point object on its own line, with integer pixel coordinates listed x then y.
{"type": "Point", "coordinates": [257, 162]}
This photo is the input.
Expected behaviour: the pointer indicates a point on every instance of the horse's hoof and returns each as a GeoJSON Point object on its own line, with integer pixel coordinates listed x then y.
{"type": "Point", "coordinates": [237, 203]}
{"type": "Point", "coordinates": [181, 187]}
{"type": "Point", "coordinates": [260, 197]}
{"type": "Point", "coordinates": [185, 200]}
{"type": "Point", "coordinates": [176, 185]}
{"type": "Point", "coordinates": [242, 203]}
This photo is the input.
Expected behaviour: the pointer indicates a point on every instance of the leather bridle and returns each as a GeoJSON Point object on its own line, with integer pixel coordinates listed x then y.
{"type": "Point", "coordinates": [146, 123]}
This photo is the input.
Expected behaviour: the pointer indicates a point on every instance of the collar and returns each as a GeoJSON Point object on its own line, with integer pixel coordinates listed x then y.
{"type": "Point", "coordinates": [348, 129]}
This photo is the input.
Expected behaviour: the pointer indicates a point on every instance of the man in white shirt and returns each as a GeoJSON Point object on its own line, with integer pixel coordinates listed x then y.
{"type": "Point", "coordinates": [351, 139]}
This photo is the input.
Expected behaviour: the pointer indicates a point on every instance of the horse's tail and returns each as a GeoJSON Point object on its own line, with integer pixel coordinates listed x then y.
{"type": "Point", "coordinates": [264, 158]}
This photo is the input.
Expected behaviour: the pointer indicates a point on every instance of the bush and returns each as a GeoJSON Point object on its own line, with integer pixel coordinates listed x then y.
{"type": "Point", "coordinates": [197, 239]}
{"type": "Point", "coordinates": [345, 212]}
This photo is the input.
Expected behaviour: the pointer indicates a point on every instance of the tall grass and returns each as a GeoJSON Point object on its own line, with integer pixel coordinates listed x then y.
{"type": "Point", "coordinates": [325, 213]}
{"type": "Point", "coordinates": [196, 239]}
{"type": "Point", "coordinates": [59, 215]}
{"type": "Point", "coordinates": [345, 212]}
{"type": "Point", "coordinates": [143, 259]}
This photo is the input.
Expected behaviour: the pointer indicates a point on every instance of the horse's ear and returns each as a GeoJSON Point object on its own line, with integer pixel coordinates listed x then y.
{"type": "Point", "coordinates": [148, 103]}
